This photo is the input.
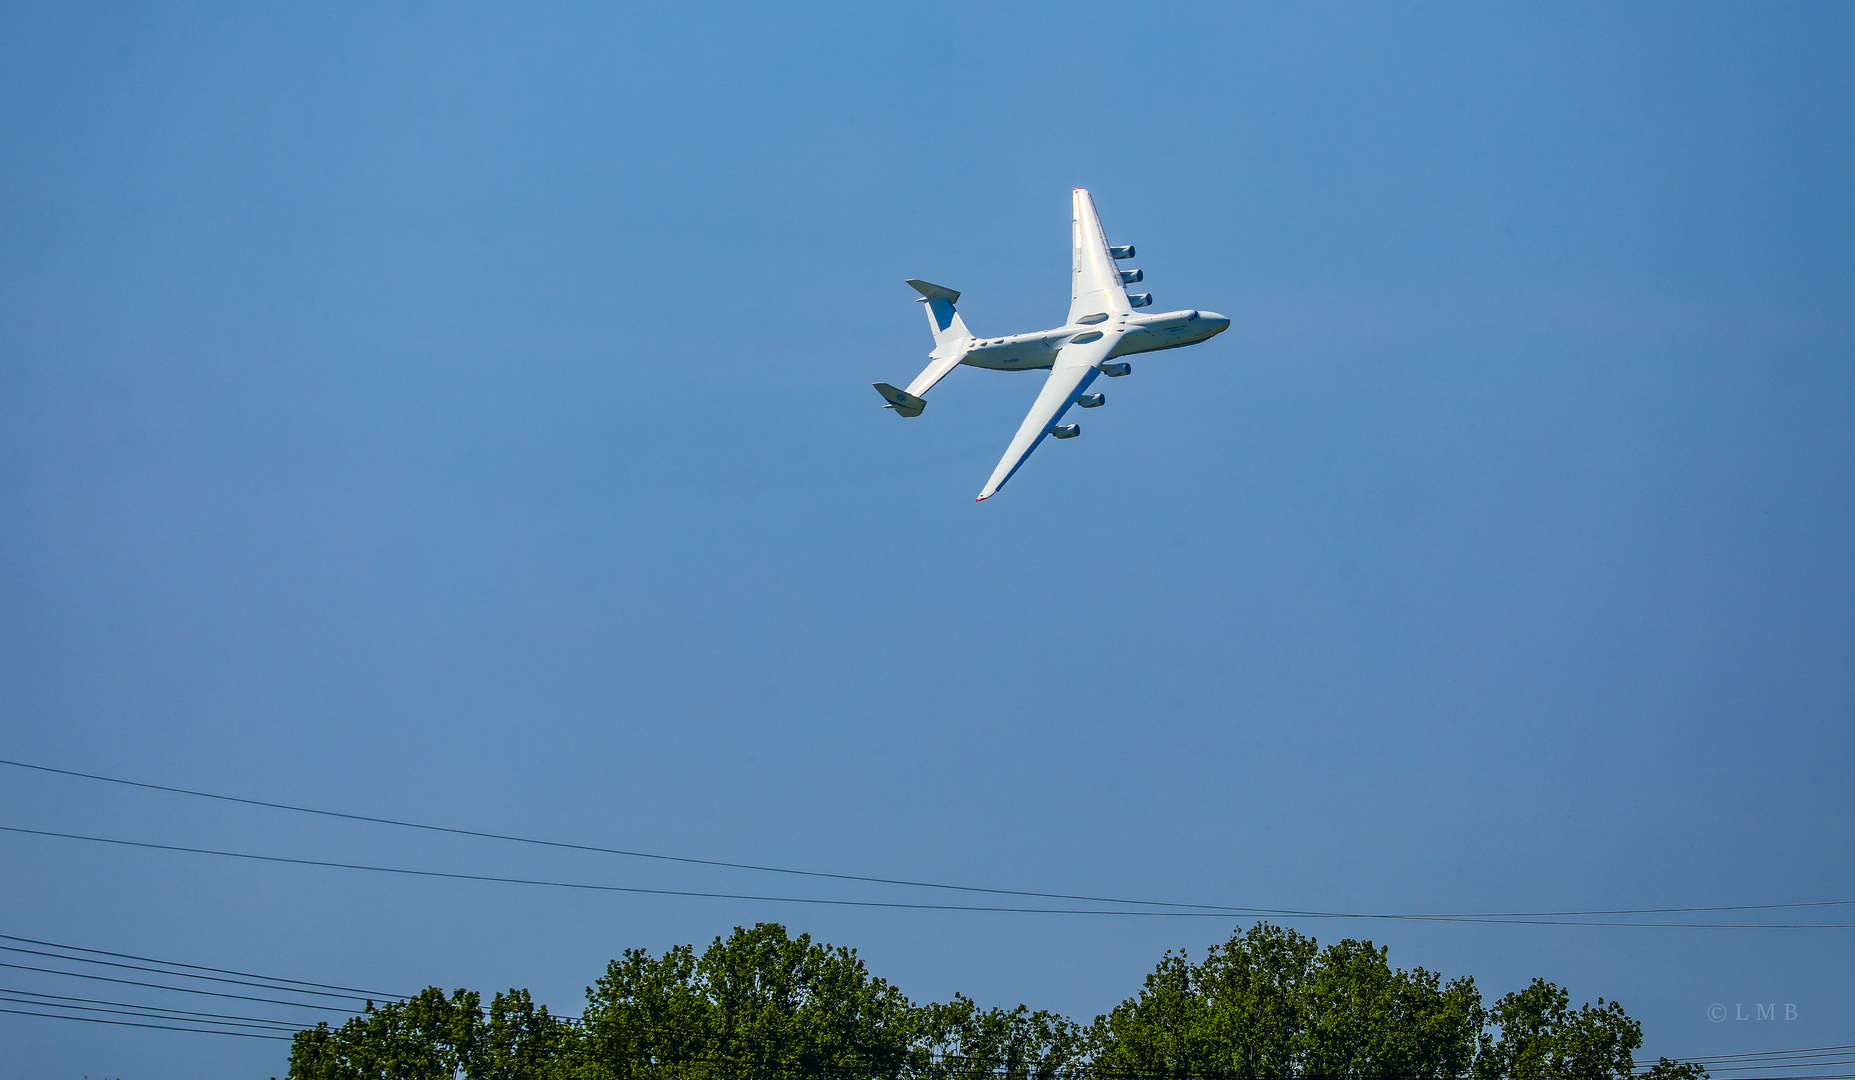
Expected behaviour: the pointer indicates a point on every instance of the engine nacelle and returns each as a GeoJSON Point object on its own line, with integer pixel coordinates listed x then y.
{"type": "Point", "coordinates": [1122, 252]}
{"type": "Point", "coordinates": [1144, 299]}
{"type": "Point", "coordinates": [1092, 401]}
{"type": "Point", "coordinates": [1066, 431]}
{"type": "Point", "coordinates": [1115, 371]}
{"type": "Point", "coordinates": [1128, 277]}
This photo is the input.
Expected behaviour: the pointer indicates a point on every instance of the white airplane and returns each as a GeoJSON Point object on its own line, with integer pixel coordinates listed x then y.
{"type": "Point", "coordinates": [1101, 326]}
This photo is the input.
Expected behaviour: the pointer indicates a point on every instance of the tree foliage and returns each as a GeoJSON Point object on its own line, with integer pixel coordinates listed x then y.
{"type": "Point", "coordinates": [434, 1037]}
{"type": "Point", "coordinates": [1269, 1004]}
{"type": "Point", "coordinates": [758, 1006]}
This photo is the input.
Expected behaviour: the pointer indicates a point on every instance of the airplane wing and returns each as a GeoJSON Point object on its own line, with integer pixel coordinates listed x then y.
{"type": "Point", "coordinates": [1073, 371]}
{"type": "Point", "coordinates": [1095, 286]}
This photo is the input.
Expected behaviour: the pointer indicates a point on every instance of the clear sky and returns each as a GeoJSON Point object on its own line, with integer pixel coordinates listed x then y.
{"type": "Point", "coordinates": [462, 412]}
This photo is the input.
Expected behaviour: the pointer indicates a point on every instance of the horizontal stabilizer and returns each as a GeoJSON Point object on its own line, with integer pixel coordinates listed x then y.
{"type": "Point", "coordinates": [900, 400]}
{"type": "Point", "coordinates": [930, 291]}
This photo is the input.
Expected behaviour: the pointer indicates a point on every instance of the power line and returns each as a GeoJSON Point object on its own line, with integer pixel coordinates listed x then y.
{"type": "Point", "coordinates": [134, 1010]}
{"type": "Point", "coordinates": [1759, 1061]}
{"type": "Point", "coordinates": [512, 838]}
{"type": "Point", "coordinates": [195, 967]}
{"type": "Point", "coordinates": [175, 974]}
{"type": "Point", "coordinates": [1732, 1063]}
{"type": "Point", "coordinates": [1081, 1069]}
{"type": "Point", "coordinates": [158, 1027]}
{"type": "Point", "coordinates": [1787, 1064]}
{"type": "Point", "coordinates": [458, 876]}
{"type": "Point", "coordinates": [180, 1013]}
{"type": "Point", "coordinates": [178, 989]}
{"type": "Point", "coordinates": [1802, 1052]}
{"type": "Point", "coordinates": [1837, 1057]}
{"type": "Point", "coordinates": [480, 834]}
{"type": "Point", "coordinates": [1495, 920]}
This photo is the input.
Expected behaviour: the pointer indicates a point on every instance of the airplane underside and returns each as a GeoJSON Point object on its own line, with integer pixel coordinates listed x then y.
{"type": "Point", "coordinates": [1102, 325]}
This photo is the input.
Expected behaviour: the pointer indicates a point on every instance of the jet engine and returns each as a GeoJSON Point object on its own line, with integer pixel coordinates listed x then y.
{"type": "Point", "coordinates": [1128, 277]}
{"type": "Point", "coordinates": [1144, 299]}
{"type": "Point", "coordinates": [1115, 371]}
{"type": "Point", "coordinates": [1066, 431]}
{"type": "Point", "coordinates": [1092, 401]}
{"type": "Point", "coordinates": [1122, 252]}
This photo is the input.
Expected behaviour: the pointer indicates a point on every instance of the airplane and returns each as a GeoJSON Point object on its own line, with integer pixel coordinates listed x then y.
{"type": "Point", "coordinates": [1102, 325]}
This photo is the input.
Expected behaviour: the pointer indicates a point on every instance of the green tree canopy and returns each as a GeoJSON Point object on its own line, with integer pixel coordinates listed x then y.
{"type": "Point", "coordinates": [1269, 1004]}
{"type": "Point", "coordinates": [756, 1006]}
{"type": "Point", "coordinates": [435, 1037]}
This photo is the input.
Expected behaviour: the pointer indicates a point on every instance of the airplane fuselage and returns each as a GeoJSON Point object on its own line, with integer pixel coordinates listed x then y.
{"type": "Point", "coordinates": [1104, 322]}
{"type": "Point", "coordinates": [1138, 334]}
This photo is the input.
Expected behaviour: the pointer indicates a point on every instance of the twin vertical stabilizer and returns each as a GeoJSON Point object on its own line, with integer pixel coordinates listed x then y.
{"type": "Point", "coordinates": [949, 329]}
{"type": "Point", "coordinates": [951, 340]}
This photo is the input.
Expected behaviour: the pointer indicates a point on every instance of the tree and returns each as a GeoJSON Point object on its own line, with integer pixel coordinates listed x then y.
{"type": "Point", "coordinates": [1363, 1018]}
{"type": "Point", "coordinates": [435, 1037]}
{"type": "Point", "coordinates": [1542, 1039]}
{"type": "Point", "coordinates": [962, 1041]}
{"type": "Point", "coordinates": [1269, 1004]}
{"type": "Point", "coordinates": [758, 1006]}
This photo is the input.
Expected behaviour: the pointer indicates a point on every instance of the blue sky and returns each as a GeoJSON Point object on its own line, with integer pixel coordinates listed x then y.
{"type": "Point", "coordinates": [463, 413]}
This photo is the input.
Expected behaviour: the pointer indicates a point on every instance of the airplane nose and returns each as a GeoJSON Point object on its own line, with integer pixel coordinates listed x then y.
{"type": "Point", "coordinates": [1218, 322]}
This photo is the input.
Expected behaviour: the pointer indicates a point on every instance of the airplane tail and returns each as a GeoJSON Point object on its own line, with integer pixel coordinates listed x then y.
{"type": "Point", "coordinates": [950, 342]}
{"type": "Point", "coordinates": [949, 329]}
{"type": "Point", "coordinates": [900, 400]}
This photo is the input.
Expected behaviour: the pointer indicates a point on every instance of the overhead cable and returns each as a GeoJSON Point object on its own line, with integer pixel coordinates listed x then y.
{"type": "Point", "coordinates": [869, 879]}
{"type": "Point", "coordinates": [175, 974]}
{"type": "Point", "coordinates": [1493, 920]}
{"type": "Point", "coordinates": [179, 1013]}
{"type": "Point", "coordinates": [194, 967]}
{"type": "Point", "coordinates": [1807, 1051]}
{"type": "Point", "coordinates": [259, 1025]}
{"type": "Point", "coordinates": [176, 989]}
{"type": "Point", "coordinates": [159, 1027]}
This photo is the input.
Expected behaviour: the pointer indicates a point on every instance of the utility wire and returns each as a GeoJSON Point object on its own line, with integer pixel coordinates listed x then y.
{"type": "Point", "coordinates": [132, 1010]}
{"type": "Point", "coordinates": [1810, 1060]}
{"type": "Point", "coordinates": [1497, 920]}
{"type": "Point", "coordinates": [1724, 1063]}
{"type": "Point", "coordinates": [592, 847]}
{"type": "Point", "coordinates": [180, 1013]}
{"type": "Point", "coordinates": [1759, 1061]}
{"type": "Point", "coordinates": [511, 838]}
{"type": "Point", "coordinates": [195, 967]}
{"type": "Point", "coordinates": [1743, 1072]}
{"type": "Point", "coordinates": [179, 989]}
{"type": "Point", "coordinates": [1085, 1070]}
{"type": "Point", "coordinates": [158, 1027]}
{"type": "Point", "coordinates": [452, 875]}
{"type": "Point", "coordinates": [1803, 1052]}
{"type": "Point", "coordinates": [175, 974]}
{"type": "Point", "coordinates": [999, 1072]}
